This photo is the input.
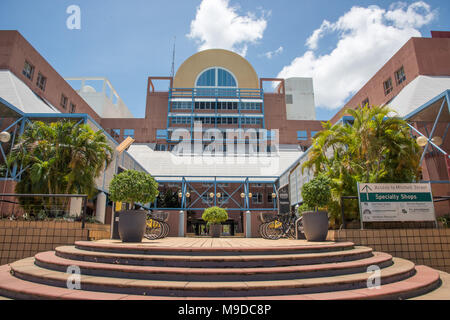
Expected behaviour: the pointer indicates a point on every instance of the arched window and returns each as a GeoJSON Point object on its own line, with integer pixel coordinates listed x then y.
{"type": "Point", "coordinates": [216, 77]}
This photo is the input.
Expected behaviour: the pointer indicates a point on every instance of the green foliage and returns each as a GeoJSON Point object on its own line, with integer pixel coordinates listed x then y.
{"type": "Point", "coordinates": [317, 192]}
{"type": "Point", "coordinates": [168, 199]}
{"type": "Point", "coordinates": [375, 148]}
{"type": "Point", "coordinates": [133, 186]}
{"type": "Point", "coordinates": [58, 158]}
{"type": "Point", "coordinates": [303, 208]}
{"type": "Point", "coordinates": [215, 215]}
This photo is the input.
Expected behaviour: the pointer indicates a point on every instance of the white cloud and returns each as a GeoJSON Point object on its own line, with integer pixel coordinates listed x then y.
{"type": "Point", "coordinates": [217, 24]}
{"type": "Point", "coordinates": [271, 54]}
{"type": "Point", "coordinates": [368, 37]}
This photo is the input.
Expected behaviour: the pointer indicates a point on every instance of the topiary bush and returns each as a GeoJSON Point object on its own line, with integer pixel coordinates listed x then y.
{"type": "Point", "coordinates": [214, 215]}
{"type": "Point", "coordinates": [133, 186]}
{"type": "Point", "coordinates": [316, 193]}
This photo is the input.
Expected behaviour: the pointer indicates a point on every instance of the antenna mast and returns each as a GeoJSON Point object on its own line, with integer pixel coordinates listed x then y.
{"type": "Point", "coordinates": [172, 71]}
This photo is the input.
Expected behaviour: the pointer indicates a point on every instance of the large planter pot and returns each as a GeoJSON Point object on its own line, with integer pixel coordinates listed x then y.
{"type": "Point", "coordinates": [132, 225]}
{"type": "Point", "coordinates": [315, 225]}
{"type": "Point", "coordinates": [215, 230]}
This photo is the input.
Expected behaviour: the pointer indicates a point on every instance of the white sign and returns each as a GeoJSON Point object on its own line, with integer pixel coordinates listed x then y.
{"type": "Point", "coordinates": [395, 202]}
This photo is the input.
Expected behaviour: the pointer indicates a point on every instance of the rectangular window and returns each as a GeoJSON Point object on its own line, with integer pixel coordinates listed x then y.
{"type": "Point", "coordinates": [289, 99]}
{"type": "Point", "coordinates": [41, 81]}
{"type": "Point", "coordinates": [28, 70]}
{"type": "Point", "coordinates": [73, 108]}
{"type": "Point", "coordinates": [128, 133]}
{"type": "Point", "coordinates": [313, 133]}
{"type": "Point", "coordinates": [387, 86]}
{"type": "Point", "coordinates": [269, 198]}
{"type": "Point", "coordinates": [400, 75]}
{"type": "Point", "coordinates": [63, 102]}
{"type": "Point", "coordinates": [302, 135]}
{"type": "Point", "coordinates": [257, 198]}
{"type": "Point", "coordinates": [115, 133]}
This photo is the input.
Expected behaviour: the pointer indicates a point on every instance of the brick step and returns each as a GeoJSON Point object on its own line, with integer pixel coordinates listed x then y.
{"type": "Point", "coordinates": [155, 248]}
{"type": "Point", "coordinates": [50, 261]}
{"type": "Point", "coordinates": [26, 269]}
{"type": "Point", "coordinates": [424, 280]}
{"type": "Point", "coordinates": [214, 261]}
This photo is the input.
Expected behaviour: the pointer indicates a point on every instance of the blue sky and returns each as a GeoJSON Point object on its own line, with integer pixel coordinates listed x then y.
{"type": "Point", "coordinates": [127, 41]}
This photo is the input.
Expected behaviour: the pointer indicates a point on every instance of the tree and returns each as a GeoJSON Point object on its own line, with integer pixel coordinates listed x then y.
{"type": "Point", "coordinates": [375, 148]}
{"type": "Point", "coordinates": [59, 158]}
{"type": "Point", "coordinates": [133, 186]}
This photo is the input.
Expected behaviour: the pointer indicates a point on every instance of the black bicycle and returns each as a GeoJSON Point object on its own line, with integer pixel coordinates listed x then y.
{"type": "Point", "coordinates": [278, 226]}
{"type": "Point", "coordinates": [156, 226]}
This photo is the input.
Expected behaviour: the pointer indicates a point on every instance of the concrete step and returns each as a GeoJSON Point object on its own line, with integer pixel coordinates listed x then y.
{"type": "Point", "coordinates": [424, 280]}
{"type": "Point", "coordinates": [50, 261]}
{"type": "Point", "coordinates": [215, 261]}
{"type": "Point", "coordinates": [26, 270]}
{"type": "Point", "coordinates": [154, 248]}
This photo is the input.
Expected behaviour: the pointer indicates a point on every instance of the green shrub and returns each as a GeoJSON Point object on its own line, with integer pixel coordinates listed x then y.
{"type": "Point", "coordinates": [317, 192]}
{"type": "Point", "coordinates": [214, 215]}
{"type": "Point", "coordinates": [445, 219]}
{"type": "Point", "coordinates": [133, 186]}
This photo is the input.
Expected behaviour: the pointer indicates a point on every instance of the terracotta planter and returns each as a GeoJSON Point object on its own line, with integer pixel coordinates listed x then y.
{"type": "Point", "coordinates": [315, 225]}
{"type": "Point", "coordinates": [215, 230]}
{"type": "Point", "coordinates": [132, 225]}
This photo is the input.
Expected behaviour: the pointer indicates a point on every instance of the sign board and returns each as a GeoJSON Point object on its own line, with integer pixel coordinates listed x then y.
{"type": "Point", "coordinates": [284, 205]}
{"type": "Point", "coordinates": [395, 202]}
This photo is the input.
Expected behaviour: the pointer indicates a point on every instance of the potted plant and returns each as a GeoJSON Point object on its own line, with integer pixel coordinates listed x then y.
{"type": "Point", "coordinates": [214, 216]}
{"type": "Point", "coordinates": [316, 195]}
{"type": "Point", "coordinates": [133, 186]}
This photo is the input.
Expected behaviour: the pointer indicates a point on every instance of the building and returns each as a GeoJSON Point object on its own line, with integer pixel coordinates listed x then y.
{"type": "Point", "coordinates": [214, 92]}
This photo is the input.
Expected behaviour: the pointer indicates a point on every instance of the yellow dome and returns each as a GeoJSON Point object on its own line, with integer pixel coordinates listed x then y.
{"type": "Point", "coordinates": [192, 67]}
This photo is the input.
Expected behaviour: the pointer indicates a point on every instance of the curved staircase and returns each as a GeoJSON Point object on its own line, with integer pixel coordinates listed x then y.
{"type": "Point", "coordinates": [259, 269]}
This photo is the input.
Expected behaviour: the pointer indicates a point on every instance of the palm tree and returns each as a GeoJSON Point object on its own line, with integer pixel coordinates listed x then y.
{"type": "Point", "coordinates": [375, 148]}
{"type": "Point", "coordinates": [60, 157]}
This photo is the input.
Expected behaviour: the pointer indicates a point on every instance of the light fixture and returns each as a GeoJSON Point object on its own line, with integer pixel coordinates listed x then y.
{"type": "Point", "coordinates": [242, 195]}
{"type": "Point", "coordinates": [218, 195]}
{"type": "Point", "coordinates": [188, 194]}
{"type": "Point", "coordinates": [422, 141]}
{"type": "Point", "coordinates": [180, 195]}
{"type": "Point", "coordinates": [437, 140]}
{"type": "Point", "coordinates": [274, 195]}
{"type": "Point", "coordinates": [5, 136]}
{"type": "Point", "coordinates": [250, 194]}
{"type": "Point", "coordinates": [211, 195]}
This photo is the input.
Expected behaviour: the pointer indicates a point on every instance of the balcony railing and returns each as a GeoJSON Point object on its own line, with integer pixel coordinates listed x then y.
{"type": "Point", "coordinates": [238, 93]}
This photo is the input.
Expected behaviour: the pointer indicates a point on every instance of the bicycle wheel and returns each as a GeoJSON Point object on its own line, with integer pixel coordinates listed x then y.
{"type": "Point", "coordinates": [166, 229]}
{"type": "Point", "coordinates": [273, 230]}
{"type": "Point", "coordinates": [153, 230]}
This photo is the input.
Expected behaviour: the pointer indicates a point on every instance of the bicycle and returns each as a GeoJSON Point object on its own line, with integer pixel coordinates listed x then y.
{"type": "Point", "coordinates": [156, 226]}
{"type": "Point", "coordinates": [278, 226]}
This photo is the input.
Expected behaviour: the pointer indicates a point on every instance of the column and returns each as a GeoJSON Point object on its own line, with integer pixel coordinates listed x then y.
{"type": "Point", "coordinates": [100, 212]}
{"type": "Point", "coordinates": [181, 224]}
{"type": "Point", "coordinates": [248, 224]}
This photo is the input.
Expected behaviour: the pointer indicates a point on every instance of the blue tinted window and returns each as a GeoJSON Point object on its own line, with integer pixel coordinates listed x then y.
{"type": "Point", "coordinates": [128, 133]}
{"type": "Point", "coordinates": [225, 79]}
{"type": "Point", "coordinates": [207, 79]}
{"type": "Point", "coordinates": [302, 135]}
{"type": "Point", "coordinates": [313, 133]}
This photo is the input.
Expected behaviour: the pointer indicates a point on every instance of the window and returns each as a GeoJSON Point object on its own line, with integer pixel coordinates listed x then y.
{"type": "Point", "coordinates": [400, 75]}
{"type": "Point", "coordinates": [128, 133]}
{"type": "Point", "coordinates": [302, 135]}
{"type": "Point", "coordinates": [269, 198]}
{"type": "Point", "coordinates": [257, 198]}
{"type": "Point", "coordinates": [313, 133]}
{"type": "Point", "coordinates": [28, 70]}
{"type": "Point", "coordinates": [41, 81]}
{"type": "Point", "coordinates": [289, 99]}
{"type": "Point", "coordinates": [216, 77]}
{"type": "Point", "coordinates": [63, 102]}
{"type": "Point", "coordinates": [73, 107]}
{"type": "Point", "coordinates": [115, 133]}
{"type": "Point", "coordinates": [387, 86]}
{"type": "Point", "coordinates": [365, 102]}
{"type": "Point", "coordinates": [160, 147]}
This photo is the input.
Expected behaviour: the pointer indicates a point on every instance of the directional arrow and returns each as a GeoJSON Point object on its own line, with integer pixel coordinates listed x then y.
{"type": "Point", "coordinates": [367, 189]}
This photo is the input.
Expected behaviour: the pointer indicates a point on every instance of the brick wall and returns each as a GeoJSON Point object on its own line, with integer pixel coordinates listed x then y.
{"type": "Point", "coordinates": [429, 247]}
{"type": "Point", "coordinates": [21, 239]}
